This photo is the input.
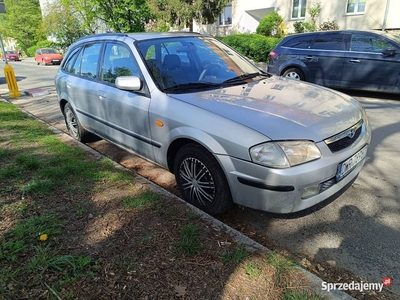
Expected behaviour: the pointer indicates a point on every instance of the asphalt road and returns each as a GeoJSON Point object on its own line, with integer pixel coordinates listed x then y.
{"type": "Point", "coordinates": [358, 231]}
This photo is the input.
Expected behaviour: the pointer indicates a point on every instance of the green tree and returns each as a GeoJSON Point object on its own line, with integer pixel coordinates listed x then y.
{"type": "Point", "coordinates": [123, 15]}
{"type": "Point", "coordinates": [63, 23]}
{"type": "Point", "coordinates": [270, 25]}
{"type": "Point", "coordinates": [180, 13]}
{"type": "Point", "coordinates": [314, 10]}
{"type": "Point", "coordinates": [22, 21]}
{"type": "Point", "coordinates": [85, 12]}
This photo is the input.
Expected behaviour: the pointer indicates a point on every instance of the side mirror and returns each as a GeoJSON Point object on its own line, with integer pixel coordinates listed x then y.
{"type": "Point", "coordinates": [389, 51]}
{"type": "Point", "coordinates": [129, 83]}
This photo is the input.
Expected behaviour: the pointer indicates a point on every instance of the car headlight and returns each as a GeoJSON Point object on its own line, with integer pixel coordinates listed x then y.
{"type": "Point", "coordinates": [284, 154]}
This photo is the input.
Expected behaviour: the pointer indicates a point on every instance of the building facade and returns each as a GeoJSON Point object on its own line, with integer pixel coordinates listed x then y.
{"type": "Point", "coordinates": [243, 16]}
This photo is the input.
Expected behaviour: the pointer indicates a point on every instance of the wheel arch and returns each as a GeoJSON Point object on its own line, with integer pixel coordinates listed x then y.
{"type": "Point", "coordinates": [294, 64]}
{"type": "Point", "coordinates": [62, 104]}
{"type": "Point", "coordinates": [178, 144]}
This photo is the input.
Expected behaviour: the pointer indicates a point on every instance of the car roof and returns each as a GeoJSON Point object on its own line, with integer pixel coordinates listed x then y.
{"type": "Point", "coordinates": [379, 32]}
{"type": "Point", "coordinates": [140, 36]}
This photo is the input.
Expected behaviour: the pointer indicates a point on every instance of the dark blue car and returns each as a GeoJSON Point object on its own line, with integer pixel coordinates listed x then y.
{"type": "Point", "coordinates": [344, 59]}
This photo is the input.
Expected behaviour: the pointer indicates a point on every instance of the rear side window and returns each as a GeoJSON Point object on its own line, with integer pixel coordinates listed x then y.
{"type": "Point", "coordinates": [301, 42]}
{"type": "Point", "coordinates": [368, 43]}
{"type": "Point", "coordinates": [89, 60]}
{"type": "Point", "coordinates": [68, 66]}
{"type": "Point", "coordinates": [329, 41]}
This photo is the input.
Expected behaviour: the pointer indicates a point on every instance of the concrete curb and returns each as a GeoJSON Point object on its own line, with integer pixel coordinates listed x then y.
{"type": "Point", "coordinates": [252, 246]}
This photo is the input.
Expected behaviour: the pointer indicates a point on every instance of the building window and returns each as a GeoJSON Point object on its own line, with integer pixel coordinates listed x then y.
{"type": "Point", "coordinates": [355, 6]}
{"type": "Point", "coordinates": [299, 9]}
{"type": "Point", "coordinates": [226, 17]}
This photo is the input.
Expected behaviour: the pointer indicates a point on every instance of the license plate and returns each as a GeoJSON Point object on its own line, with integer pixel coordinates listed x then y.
{"type": "Point", "coordinates": [56, 60]}
{"type": "Point", "coordinates": [349, 164]}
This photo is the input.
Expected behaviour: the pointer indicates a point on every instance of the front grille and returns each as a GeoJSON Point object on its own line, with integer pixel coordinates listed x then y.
{"type": "Point", "coordinates": [345, 138]}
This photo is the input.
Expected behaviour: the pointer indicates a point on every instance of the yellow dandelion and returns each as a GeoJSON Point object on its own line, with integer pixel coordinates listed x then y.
{"type": "Point", "coordinates": [43, 237]}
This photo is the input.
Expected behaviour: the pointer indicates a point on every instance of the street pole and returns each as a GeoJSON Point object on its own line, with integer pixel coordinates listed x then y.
{"type": "Point", "coordinates": [386, 15]}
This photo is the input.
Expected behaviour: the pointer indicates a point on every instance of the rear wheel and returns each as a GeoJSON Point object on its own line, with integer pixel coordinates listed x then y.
{"type": "Point", "coordinates": [201, 180]}
{"type": "Point", "coordinates": [294, 73]}
{"type": "Point", "coordinates": [74, 127]}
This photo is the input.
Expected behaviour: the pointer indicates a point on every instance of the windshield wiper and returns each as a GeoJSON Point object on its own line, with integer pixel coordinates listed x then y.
{"type": "Point", "coordinates": [191, 85]}
{"type": "Point", "coordinates": [241, 78]}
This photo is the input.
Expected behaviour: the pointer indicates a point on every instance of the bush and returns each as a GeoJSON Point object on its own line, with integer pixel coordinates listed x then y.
{"type": "Point", "coordinates": [271, 25]}
{"type": "Point", "coordinates": [300, 27]}
{"type": "Point", "coordinates": [254, 46]}
{"type": "Point", "coordinates": [328, 25]}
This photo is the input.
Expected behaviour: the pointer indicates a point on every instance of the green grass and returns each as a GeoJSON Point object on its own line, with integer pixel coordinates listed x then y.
{"type": "Point", "coordinates": [189, 243]}
{"type": "Point", "coordinates": [237, 256]}
{"type": "Point", "coordinates": [37, 163]}
{"type": "Point", "coordinates": [252, 270]}
{"type": "Point", "coordinates": [296, 295]}
{"type": "Point", "coordinates": [144, 200]}
{"type": "Point", "coordinates": [280, 262]}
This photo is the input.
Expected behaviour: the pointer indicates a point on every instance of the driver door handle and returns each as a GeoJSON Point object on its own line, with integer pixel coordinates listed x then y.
{"type": "Point", "coordinates": [102, 95]}
{"type": "Point", "coordinates": [356, 61]}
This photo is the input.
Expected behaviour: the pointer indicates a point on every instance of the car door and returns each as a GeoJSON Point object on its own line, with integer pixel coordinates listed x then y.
{"type": "Point", "coordinates": [82, 86]}
{"type": "Point", "coordinates": [325, 59]}
{"type": "Point", "coordinates": [125, 112]}
{"type": "Point", "coordinates": [366, 67]}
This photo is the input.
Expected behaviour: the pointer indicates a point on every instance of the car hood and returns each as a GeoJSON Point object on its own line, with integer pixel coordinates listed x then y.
{"type": "Point", "coordinates": [281, 108]}
{"type": "Point", "coordinates": [53, 55]}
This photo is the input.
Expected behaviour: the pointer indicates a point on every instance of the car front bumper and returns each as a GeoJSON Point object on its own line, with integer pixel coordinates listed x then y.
{"type": "Point", "coordinates": [282, 190]}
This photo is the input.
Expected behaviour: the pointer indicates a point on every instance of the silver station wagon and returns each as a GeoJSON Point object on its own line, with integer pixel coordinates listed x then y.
{"type": "Point", "coordinates": [229, 132]}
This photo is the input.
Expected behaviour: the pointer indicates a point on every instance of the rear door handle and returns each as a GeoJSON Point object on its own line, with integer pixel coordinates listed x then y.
{"type": "Point", "coordinates": [309, 57]}
{"type": "Point", "coordinates": [356, 61]}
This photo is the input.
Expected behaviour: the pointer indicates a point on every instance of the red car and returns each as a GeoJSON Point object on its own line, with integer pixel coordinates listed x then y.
{"type": "Point", "coordinates": [12, 56]}
{"type": "Point", "coordinates": [48, 56]}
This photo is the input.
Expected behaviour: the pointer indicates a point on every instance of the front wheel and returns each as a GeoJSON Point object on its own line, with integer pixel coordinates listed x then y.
{"type": "Point", "coordinates": [74, 127]}
{"type": "Point", "coordinates": [294, 73]}
{"type": "Point", "coordinates": [201, 180]}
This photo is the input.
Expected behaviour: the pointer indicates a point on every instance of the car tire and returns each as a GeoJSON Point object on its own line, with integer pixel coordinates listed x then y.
{"type": "Point", "coordinates": [294, 73]}
{"type": "Point", "coordinates": [74, 127]}
{"type": "Point", "coordinates": [201, 180]}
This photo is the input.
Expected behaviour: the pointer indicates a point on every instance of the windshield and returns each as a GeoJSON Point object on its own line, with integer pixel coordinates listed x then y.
{"type": "Point", "coordinates": [194, 62]}
{"type": "Point", "coordinates": [49, 51]}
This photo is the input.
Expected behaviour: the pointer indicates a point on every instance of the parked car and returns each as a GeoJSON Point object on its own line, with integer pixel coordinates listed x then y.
{"type": "Point", "coordinates": [11, 55]}
{"type": "Point", "coordinates": [229, 132]}
{"type": "Point", "coordinates": [344, 59]}
{"type": "Point", "coordinates": [48, 56]}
